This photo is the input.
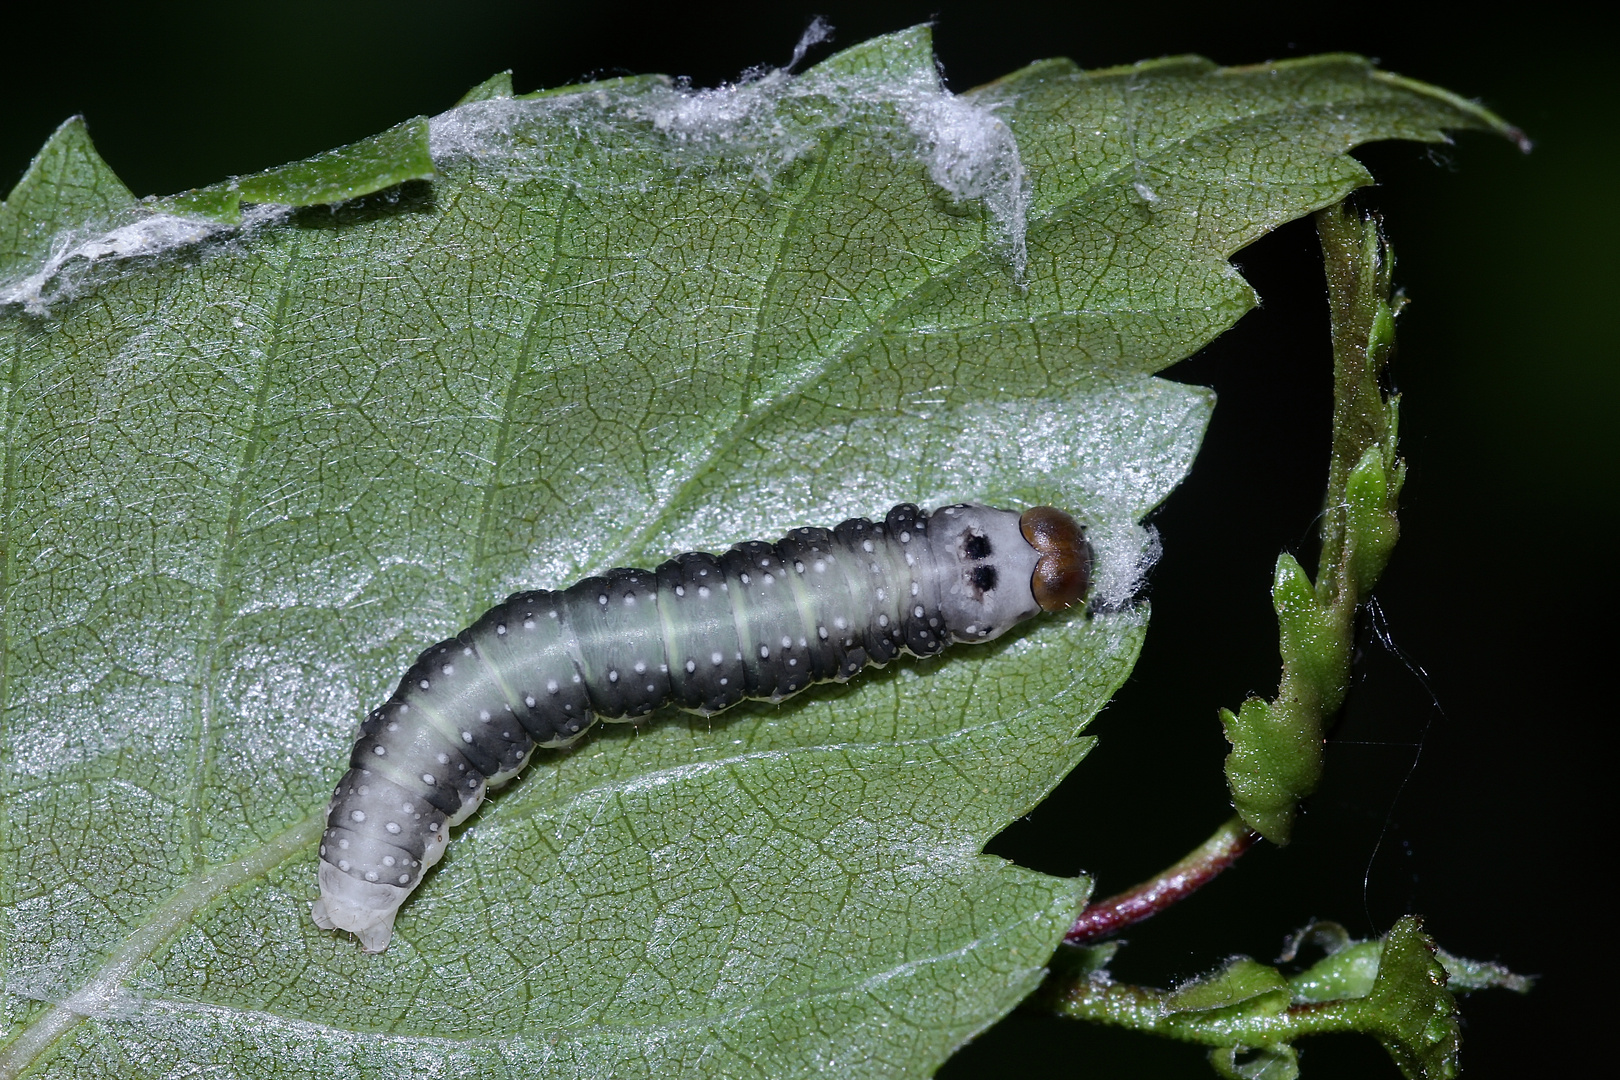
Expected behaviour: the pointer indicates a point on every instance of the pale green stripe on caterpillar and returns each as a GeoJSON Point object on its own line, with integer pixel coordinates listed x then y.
{"type": "Point", "coordinates": [701, 632]}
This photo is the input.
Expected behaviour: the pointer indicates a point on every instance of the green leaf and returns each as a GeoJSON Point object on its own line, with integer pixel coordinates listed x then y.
{"type": "Point", "coordinates": [1280, 1062]}
{"type": "Point", "coordinates": [1408, 1006]}
{"type": "Point", "coordinates": [399, 154]}
{"type": "Point", "coordinates": [1395, 989]}
{"type": "Point", "coordinates": [67, 185]}
{"type": "Point", "coordinates": [70, 217]}
{"type": "Point", "coordinates": [1399, 988]}
{"type": "Point", "coordinates": [250, 471]}
{"type": "Point", "coordinates": [1277, 745]}
{"type": "Point", "coordinates": [1257, 987]}
{"type": "Point", "coordinates": [1348, 972]}
{"type": "Point", "coordinates": [498, 85]}
{"type": "Point", "coordinates": [1351, 967]}
{"type": "Point", "coordinates": [1371, 528]}
{"type": "Point", "coordinates": [67, 195]}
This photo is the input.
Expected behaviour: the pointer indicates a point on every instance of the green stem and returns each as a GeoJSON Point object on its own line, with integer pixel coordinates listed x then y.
{"type": "Point", "coordinates": [1358, 266]}
{"type": "Point", "coordinates": [1276, 757]}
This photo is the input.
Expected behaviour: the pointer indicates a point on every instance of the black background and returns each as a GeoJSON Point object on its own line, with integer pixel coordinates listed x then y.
{"type": "Point", "coordinates": [1501, 588]}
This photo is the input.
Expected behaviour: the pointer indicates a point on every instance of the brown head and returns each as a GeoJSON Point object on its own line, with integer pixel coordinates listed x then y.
{"type": "Point", "coordinates": [1064, 571]}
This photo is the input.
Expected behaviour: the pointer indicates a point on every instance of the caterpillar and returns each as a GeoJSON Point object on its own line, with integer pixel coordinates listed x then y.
{"type": "Point", "coordinates": [702, 631]}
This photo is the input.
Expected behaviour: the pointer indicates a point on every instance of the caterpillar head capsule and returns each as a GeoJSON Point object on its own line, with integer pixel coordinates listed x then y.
{"type": "Point", "coordinates": [1064, 571]}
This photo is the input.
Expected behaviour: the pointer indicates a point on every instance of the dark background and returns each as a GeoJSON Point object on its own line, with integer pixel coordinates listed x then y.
{"type": "Point", "coordinates": [1507, 362]}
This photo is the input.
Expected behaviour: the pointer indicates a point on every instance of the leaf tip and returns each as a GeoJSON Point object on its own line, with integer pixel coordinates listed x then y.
{"type": "Point", "coordinates": [498, 85]}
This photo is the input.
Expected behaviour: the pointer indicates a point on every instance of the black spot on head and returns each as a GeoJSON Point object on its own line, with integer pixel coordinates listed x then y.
{"type": "Point", "coordinates": [984, 578]}
{"type": "Point", "coordinates": [977, 546]}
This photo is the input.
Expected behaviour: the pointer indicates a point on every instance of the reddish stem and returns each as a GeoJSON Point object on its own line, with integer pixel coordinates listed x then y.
{"type": "Point", "coordinates": [1170, 886]}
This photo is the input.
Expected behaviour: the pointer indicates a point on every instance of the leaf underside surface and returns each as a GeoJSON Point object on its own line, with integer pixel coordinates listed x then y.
{"type": "Point", "coordinates": [260, 450]}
